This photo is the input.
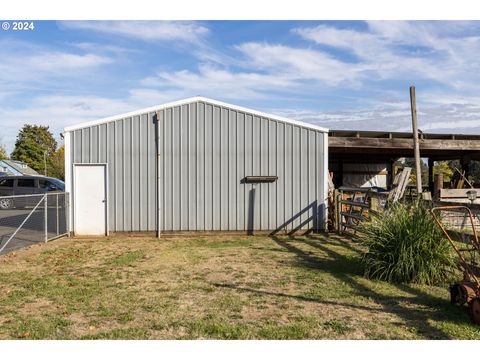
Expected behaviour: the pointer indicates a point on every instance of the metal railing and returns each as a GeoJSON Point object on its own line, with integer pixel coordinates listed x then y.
{"type": "Point", "coordinates": [31, 219]}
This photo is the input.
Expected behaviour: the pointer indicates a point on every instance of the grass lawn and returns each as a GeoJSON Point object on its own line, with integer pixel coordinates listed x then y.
{"type": "Point", "coordinates": [216, 287]}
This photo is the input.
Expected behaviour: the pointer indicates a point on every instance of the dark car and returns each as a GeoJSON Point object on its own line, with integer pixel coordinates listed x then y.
{"type": "Point", "coordinates": [26, 185]}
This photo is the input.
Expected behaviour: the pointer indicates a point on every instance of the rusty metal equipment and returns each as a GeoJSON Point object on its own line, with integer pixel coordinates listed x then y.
{"type": "Point", "coordinates": [458, 225]}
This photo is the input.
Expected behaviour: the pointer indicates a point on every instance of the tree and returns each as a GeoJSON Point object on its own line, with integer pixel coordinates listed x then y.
{"type": "Point", "coordinates": [57, 167]}
{"type": "Point", "coordinates": [443, 167]}
{"type": "Point", "coordinates": [410, 162]}
{"type": "Point", "coordinates": [34, 144]}
{"type": "Point", "coordinates": [3, 153]}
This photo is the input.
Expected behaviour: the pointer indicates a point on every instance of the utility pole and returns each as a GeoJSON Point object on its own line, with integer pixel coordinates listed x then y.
{"type": "Point", "coordinates": [416, 146]}
{"type": "Point", "coordinates": [45, 162]}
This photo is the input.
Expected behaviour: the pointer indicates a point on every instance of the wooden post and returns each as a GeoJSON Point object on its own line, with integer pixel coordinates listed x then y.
{"type": "Point", "coordinates": [430, 174]}
{"type": "Point", "coordinates": [340, 174]}
{"type": "Point", "coordinates": [391, 174]}
{"type": "Point", "coordinates": [465, 163]}
{"type": "Point", "coordinates": [416, 146]}
{"type": "Point", "coordinates": [437, 185]}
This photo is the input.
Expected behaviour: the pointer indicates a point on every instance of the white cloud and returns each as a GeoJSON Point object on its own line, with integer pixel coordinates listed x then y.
{"type": "Point", "coordinates": [299, 63]}
{"type": "Point", "coordinates": [41, 63]}
{"type": "Point", "coordinates": [398, 50]}
{"type": "Point", "coordinates": [57, 62]}
{"type": "Point", "coordinates": [460, 118]}
{"type": "Point", "coordinates": [98, 48]}
{"type": "Point", "coordinates": [260, 70]}
{"type": "Point", "coordinates": [445, 52]}
{"type": "Point", "coordinates": [360, 43]}
{"type": "Point", "coordinates": [60, 111]}
{"type": "Point", "coordinates": [57, 111]}
{"type": "Point", "coordinates": [218, 82]}
{"type": "Point", "coordinates": [144, 30]}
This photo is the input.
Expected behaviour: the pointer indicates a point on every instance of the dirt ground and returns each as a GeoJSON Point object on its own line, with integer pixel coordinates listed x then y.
{"type": "Point", "coordinates": [213, 287]}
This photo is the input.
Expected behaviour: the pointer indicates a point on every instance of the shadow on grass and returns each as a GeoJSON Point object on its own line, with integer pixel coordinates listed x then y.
{"type": "Point", "coordinates": [345, 269]}
{"type": "Point", "coordinates": [296, 297]}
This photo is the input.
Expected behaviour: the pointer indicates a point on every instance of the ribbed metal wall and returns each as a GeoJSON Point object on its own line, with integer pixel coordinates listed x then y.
{"type": "Point", "coordinates": [128, 147]}
{"type": "Point", "coordinates": [205, 153]}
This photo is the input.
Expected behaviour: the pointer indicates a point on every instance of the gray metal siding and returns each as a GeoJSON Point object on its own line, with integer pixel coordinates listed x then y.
{"type": "Point", "coordinates": [206, 151]}
{"type": "Point", "coordinates": [128, 146]}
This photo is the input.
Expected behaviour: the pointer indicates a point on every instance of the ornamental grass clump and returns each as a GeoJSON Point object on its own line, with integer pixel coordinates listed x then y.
{"type": "Point", "coordinates": [405, 245]}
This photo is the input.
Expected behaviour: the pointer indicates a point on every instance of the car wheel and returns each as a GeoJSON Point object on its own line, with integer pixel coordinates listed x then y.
{"type": "Point", "coordinates": [6, 204]}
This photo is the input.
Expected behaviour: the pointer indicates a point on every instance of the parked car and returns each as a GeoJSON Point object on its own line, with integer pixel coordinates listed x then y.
{"type": "Point", "coordinates": [26, 185]}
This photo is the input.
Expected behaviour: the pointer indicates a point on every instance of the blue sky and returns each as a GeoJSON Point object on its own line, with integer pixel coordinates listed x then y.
{"type": "Point", "coordinates": [340, 75]}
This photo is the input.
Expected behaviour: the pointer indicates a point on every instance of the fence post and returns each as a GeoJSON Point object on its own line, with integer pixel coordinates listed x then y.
{"type": "Point", "coordinates": [46, 216]}
{"type": "Point", "coordinates": [339, 211]}
{"type": "Point", "coordinates": [58, 225]}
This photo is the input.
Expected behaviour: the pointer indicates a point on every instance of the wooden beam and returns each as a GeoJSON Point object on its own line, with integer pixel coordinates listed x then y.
{"type": "Point", "coordinates": [365, 172]}
{"type": "Point", "coordinates": [454, 193]}
{"type": "Point", "coordinates": [404, 144]}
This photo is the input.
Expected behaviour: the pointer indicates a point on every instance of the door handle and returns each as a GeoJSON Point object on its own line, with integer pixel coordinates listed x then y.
{"type": "Point", "coordinates": [104, 201]}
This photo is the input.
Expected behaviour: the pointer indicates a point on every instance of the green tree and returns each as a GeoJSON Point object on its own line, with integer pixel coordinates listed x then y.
{"type": "Point", "coordinates": [57, 169]}
{"type": "Point", "coordinates": [34, 143]}
{"type": "Point", "coordinates": [410, 162]}
{"type": "Point", "coordinates": [443, 167]}
{"type": "Point", "coordinates": [3, 153]}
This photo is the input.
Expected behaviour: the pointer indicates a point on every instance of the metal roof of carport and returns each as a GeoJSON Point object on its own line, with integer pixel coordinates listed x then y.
{"type": "Point", "coordinates": [191, 100]}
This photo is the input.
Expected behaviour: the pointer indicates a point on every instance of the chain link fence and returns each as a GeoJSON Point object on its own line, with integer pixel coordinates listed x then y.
{"type": "Point", "coordinates": [32, 219]}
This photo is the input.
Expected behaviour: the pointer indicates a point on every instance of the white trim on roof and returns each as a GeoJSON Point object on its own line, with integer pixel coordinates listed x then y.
{"type": "Point", "coordinates": [190, 100]}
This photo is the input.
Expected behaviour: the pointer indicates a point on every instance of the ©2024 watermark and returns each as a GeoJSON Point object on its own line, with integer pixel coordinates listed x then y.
{"type": "Point", "coordinates": [18, 25]}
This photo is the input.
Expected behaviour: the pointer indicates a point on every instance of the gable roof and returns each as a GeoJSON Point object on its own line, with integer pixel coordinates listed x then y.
{"type": "Point", "coordinates": [191, 100]}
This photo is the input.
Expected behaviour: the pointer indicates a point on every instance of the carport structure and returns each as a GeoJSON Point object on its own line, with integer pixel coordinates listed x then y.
{"type": "Point", "coordinates": [347, 147]}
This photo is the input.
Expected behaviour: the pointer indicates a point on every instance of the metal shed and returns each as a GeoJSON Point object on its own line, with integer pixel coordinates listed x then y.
{"type": "Point", "coordinates": [196, 165]}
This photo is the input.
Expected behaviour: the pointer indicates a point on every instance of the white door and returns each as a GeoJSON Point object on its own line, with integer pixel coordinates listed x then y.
{"type": "Point", "coordinates": [90, 200]}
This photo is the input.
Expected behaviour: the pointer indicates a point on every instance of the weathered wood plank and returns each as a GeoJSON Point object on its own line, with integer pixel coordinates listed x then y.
{"type": "Point", "coordinates": [456, 193]}
{"type": "Point", "coordinates": [425, 144]}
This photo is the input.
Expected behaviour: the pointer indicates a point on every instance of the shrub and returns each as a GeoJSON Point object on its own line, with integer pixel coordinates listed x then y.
{"type": "Point", "coordinates": [404, 244]}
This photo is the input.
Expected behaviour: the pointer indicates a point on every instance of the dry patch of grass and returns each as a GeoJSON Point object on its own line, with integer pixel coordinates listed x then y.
{"type": "Point", "coordinates": [215, 287]}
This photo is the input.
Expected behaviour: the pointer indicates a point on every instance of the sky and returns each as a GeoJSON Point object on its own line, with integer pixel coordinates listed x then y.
{"type": "Point", "coordinates": [336, 74]}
